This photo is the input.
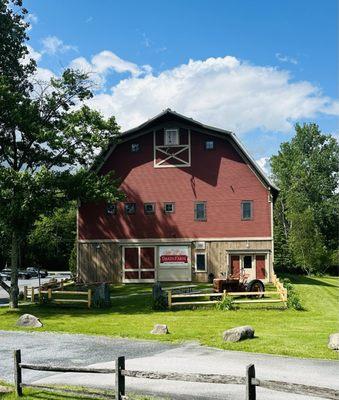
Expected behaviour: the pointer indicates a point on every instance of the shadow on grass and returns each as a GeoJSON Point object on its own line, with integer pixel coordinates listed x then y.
{"type": "Point", "coordinates": [307, 280]}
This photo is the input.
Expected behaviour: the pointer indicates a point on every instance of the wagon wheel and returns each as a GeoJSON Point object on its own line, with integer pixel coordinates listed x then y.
{"type": "Point", "coordinates": [256, 286]}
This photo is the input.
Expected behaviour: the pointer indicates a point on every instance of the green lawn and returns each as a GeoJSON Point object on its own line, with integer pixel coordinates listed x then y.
{"type": "Point", "coordinates": [278, 331]}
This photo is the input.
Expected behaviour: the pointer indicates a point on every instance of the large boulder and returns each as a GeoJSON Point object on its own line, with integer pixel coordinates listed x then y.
{"type": "Point", "coordinates": [30, 321]}
{"type": "Point", "coordinates": [238, 333]}
{"type": "Point", "coordinates": [333, 341]}
{"type": "Point", "coordinates": [159, 329]}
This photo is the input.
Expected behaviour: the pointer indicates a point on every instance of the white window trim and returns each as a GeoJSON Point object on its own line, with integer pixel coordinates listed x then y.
{"type": "Point", "coordinates": [173, 207]}
{"type": "Point", "coordinates": [242, 210]}
{"type": "Point", "coordinates": [139, 280]}
{"type": "Point", "coordinates": [195, 261]}
{"type": "Point", "coordinates": [176, 137]}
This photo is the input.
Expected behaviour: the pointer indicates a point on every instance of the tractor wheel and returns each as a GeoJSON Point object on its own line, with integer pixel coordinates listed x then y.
{"type": "Point", "coordinates": [256, 286]}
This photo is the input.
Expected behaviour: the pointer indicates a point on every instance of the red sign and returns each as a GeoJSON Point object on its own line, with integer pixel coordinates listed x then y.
{"type": "Point", "coordinates": [170, 258]}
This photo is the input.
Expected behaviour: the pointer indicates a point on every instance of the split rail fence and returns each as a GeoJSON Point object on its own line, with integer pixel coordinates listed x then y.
{"type": "Point", "coordinates": [280, 291]}
{"type": "Point", "coordinates": [53, 294]}
{"type": "Point", "coordinates": [249, 380]}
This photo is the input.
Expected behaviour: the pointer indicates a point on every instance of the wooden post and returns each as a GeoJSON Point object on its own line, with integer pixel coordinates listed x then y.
{"type": "Point", "coordinates": [224, 294]}
{"type": "Point", "coordinates": [89, 297]}
{"type": "Point", "coordinates": [169, 299]}
{"type": "Point", "coordinates": [40, 298]}
{"type": "Point", "coordinates": [25, 293]}
{"type": "Point", "coordinates": [32, 294]}
{"type": "Point", "coordinates": [250, 388]}
{"type": "Point", "coordinates": [49, 294]}
{"type": "Point", "coordinates": [62, 284]}
{"type": "Point", "coordinates": [17, 373]}
{"type": "Point", "coordinates": [119, 378]}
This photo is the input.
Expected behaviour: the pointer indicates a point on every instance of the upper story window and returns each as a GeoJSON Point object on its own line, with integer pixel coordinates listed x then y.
{"type": "Point", "coordinates": [171, 137]}
{"type": "Point", "coordinates": [149, 208]}
{"type": "Point", "coordinates": [200, 211]}
{"type": "Point", "coordinates": [130, 208]}
{"type": "Point", "coordinates": [169, 208]}
{"type": "Point", "coordinates": [247, 210]}
{"type": "Point", "coordinates": [209, 145]}
{"type": "Point", "coordinates": [111, 208]}
{"type": "Point", "coordinates": [135, 147]}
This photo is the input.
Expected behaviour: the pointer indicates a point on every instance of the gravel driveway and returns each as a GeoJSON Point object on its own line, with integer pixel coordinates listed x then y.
{"type": "Point", "coordinates": [66, 349]}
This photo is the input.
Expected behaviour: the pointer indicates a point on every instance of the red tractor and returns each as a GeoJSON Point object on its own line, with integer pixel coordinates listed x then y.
{"type": "Point", "coordinates": [240, 284]}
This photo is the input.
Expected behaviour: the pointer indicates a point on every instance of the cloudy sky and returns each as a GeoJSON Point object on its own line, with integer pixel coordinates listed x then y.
{"type": "Point", "coordinates": [253, 67]}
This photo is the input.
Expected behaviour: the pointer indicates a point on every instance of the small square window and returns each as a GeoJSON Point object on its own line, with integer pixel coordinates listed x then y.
{"type": "Point", "coordinates": [135, 147]}
{"type": "Point", "coordinates": [209, 145]}
{"type": "Point", "coordinates": [171, 137]}
{"type": "Point", "coordinates": [149, 208]}
{"type": "Point", "coordinates": [111, 208]}
{"type": "Point", "coordinates": [130, 208]}
{"type": "Point", "coordinates": [169, 208]}
{"type": "Point", "coordinates": [248, 262]}
{"type": "Point", "coordinates": [246, 210]}
{"type": "Point", "coordinates": [200, 211]}
{"type": "Point", "coordinates": [200, 262]}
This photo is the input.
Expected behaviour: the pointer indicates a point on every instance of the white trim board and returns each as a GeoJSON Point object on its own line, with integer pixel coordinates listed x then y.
{"type": "Point", "coordinates": [177, 240]}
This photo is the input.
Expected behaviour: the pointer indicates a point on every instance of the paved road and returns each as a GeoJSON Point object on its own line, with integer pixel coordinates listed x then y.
{"type": "Point", "coordinates": [33, 282]}
{"type": "Point", "coordinates": [154, 356]}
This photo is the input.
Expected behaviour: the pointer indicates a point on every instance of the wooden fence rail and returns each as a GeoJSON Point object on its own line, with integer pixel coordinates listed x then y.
{"type": "Point", "coordinates": [281, 292]}
{"type": "Point", "coordinates": [250, 381]}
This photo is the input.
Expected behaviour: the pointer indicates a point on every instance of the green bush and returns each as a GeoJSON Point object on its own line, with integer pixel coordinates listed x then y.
{"type": "Point", "coordinates": [226, 304]}
{"type": "Point", "coordinates": [293, 299]}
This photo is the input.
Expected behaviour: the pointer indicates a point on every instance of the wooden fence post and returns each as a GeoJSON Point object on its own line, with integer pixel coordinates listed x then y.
{"type": "Point", "coordinates": [250, 388]}
{"type": "Point", "coordinates": [62, 284]}
{"type": "Point", "coordinates": [32, 294]}
{"type": "Point", "coordinates": [169, 299]}
{"type": "Point", "coordinates": [89, 298]}
{"type": "Point", "coordinates": [49, 294]}
{"type": "Point", "coordinates": [40, 298]}
{"type": "Point", "coordinates": [119, 378]}
{"type": "Point", "coordinates": [224, 294]}
{"type": "Point", "coordinates": [17, 373]}
{"type": "Point", "coordinates": [25, 293]}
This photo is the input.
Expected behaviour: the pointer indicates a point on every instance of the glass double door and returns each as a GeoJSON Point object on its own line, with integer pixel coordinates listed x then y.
{"type": "Point", "coordinates": [138, 264]}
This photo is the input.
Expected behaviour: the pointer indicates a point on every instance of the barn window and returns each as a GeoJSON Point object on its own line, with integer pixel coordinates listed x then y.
{"type": "Point", "coordinates": [248, 262]}
{"type": "Point", "coordinates": [149, 208]}
{"type": "Point", "coordinates": [135, 147]}
{"type": "Point", "coordinates": [171, 137]}
{"type": "Point", "coordinates": [200, 211]}
{"type": "Point", "coordinates": [169, 208]}
{"type": "Point", "coordinates": [111, 208]}
{"type": "Point", "coordinates": [246, 210]}
{"type": "Point", "coordinates": [130, 208]}
{"type": "Point", "coordinates": [200, 262]}
{"type": "Point", "coordinates": [209, 145]}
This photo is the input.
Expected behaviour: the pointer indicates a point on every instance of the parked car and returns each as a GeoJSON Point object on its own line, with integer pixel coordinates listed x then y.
{"type": "Point", "coordinates": [5, 274]}
{"type": "Point", "coordinates": [35, 272]}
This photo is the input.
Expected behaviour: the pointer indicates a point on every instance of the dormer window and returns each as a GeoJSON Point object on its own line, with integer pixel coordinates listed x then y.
{"type": "Point", "coordinates": [171, 137]}
{"type": "Point", "coordinates": [135, 147]}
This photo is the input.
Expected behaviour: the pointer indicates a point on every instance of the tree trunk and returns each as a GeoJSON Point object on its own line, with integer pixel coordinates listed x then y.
{"type": "Point", "coordinates": [14, 292]}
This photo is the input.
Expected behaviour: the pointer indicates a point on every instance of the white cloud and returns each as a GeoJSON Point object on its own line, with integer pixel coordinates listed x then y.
{"type": "Point", "coordinates": [32, 19]}
{"type": "Point", "coordinates": [223, 92]}
{"type": "Point", "coordinates": [264, 164]}
{"type": "Point", "coordinates": [31, 54]}
{"type": "Point", "coordinates": [53, 45]}
{"type": "Point", "coordinates": [105, 62]}
{"type": "Point", "coordinates": [285, 58]}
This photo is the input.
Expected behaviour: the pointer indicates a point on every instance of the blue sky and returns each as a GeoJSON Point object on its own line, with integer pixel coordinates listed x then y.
{"type": "Point", "coordinates": [256, 67]}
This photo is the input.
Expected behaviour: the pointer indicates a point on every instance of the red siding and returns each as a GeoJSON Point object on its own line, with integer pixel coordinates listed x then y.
{"type": "Point", "coordinates": [218, 176]}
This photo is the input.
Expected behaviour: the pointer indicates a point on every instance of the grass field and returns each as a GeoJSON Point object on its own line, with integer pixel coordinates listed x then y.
{"type": "Point", "coordinates": [278, 331]}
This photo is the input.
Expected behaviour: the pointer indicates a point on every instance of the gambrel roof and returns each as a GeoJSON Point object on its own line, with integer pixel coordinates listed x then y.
{"type": "Point", "coordinates": [169, 116]}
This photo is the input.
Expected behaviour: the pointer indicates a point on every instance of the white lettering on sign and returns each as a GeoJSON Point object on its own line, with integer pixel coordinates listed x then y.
{"type": "Point", "coordinates": [169, 255]}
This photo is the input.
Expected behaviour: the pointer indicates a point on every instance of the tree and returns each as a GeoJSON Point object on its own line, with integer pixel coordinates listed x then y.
{"type": "Point", "coordinates": [306, 211]}
{"type": "Point", "coordinates": [48, 139]}
{"type": "Point", "coordinates": [51, 241]}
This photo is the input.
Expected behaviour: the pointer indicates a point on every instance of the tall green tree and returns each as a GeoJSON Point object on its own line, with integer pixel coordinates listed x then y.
{"type": "Point", "coordinates": [306, 211]}
{"type": "Point", "coordinates": [48, 139]}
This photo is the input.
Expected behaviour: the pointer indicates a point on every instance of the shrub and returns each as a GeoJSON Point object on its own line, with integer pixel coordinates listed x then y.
{"type": "Point", "coordinates": [293, 299]}
{"type": "Point", "coordinates": [226, 304]}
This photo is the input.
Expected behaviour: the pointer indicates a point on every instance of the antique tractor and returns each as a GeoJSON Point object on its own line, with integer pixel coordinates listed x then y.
{"type": "Point", "coordinates": [238, 284]}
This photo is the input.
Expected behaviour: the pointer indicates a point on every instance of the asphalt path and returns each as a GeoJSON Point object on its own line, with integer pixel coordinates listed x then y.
{"type": "Point", "coordinates": [33, 282]}
{"type": "Point", "coordinates": [66, 349]}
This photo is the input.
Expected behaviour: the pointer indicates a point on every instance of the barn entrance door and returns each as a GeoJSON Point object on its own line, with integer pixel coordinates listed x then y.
{"type": "Point", "coordinates": [260, 266]}
{"type": "Point", "coordinates": [235, 266]}
{"type": "Point", "coordinates": [138, 264]}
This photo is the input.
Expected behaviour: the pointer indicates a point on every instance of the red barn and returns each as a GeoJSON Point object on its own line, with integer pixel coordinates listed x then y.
{"type": "Point", "coordinates": [197, 205]}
